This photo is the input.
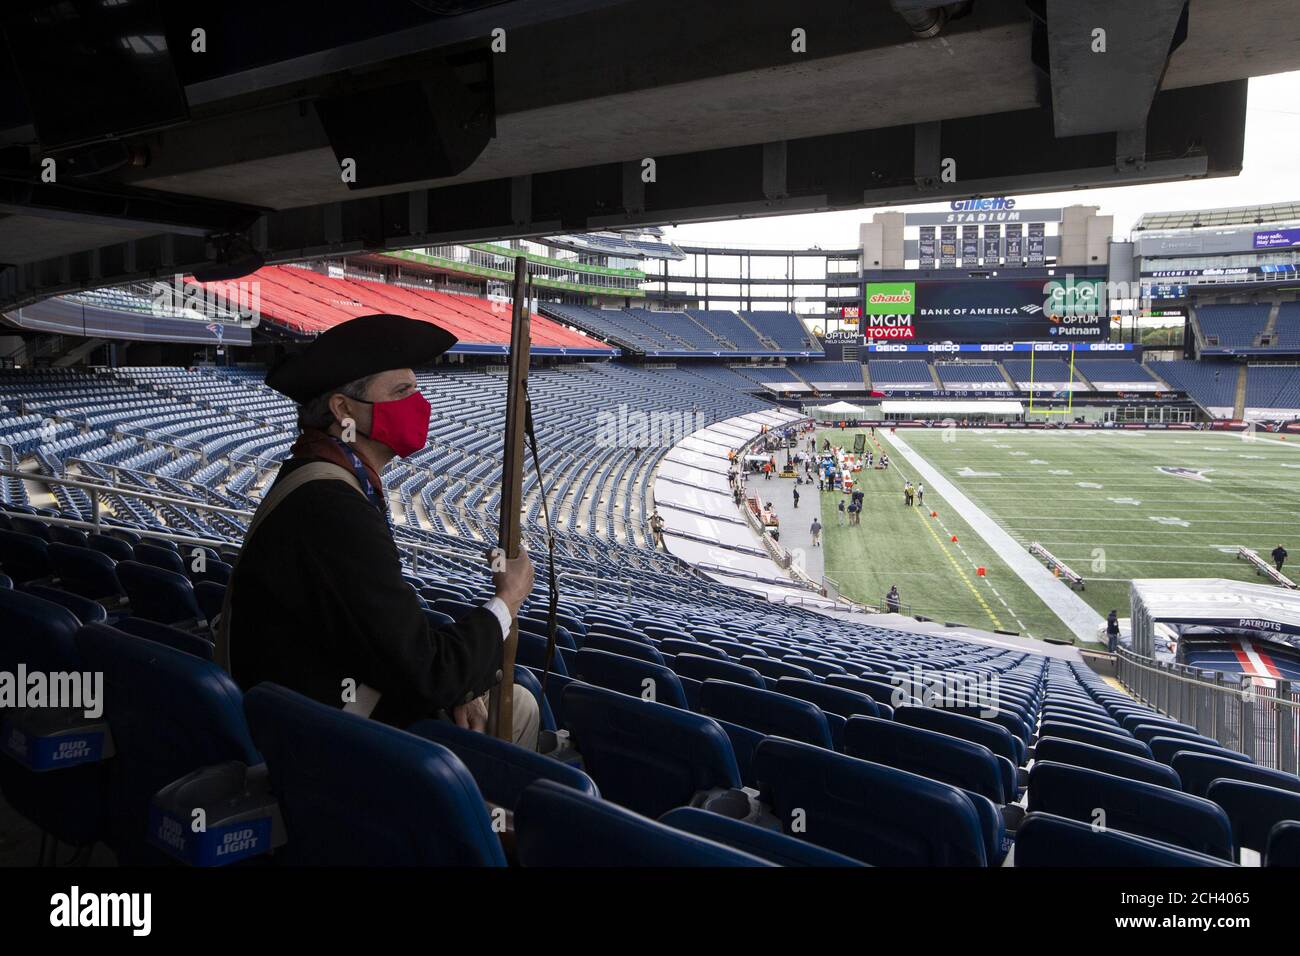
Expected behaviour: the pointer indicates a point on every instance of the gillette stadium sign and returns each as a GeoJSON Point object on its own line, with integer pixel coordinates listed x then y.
{"type": "Point", "coordinates": [982, 310]}
{"type": "Point", "coordinates": [999, 209]}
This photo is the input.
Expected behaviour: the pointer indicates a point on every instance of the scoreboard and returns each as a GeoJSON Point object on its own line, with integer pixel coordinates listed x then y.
{"type": "Point", "coordinates": [985, 310]}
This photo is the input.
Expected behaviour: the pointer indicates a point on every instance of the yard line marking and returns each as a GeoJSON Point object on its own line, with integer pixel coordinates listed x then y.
{"type": "Point", "coordinates": [987, 582]}
{"type": "Point", "coordinates": [997, 625]}
{"type": "Point", "coordinates": [1082, 620]}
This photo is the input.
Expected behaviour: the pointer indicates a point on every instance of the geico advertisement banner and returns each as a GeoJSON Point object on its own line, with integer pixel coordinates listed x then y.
{"type": "Point", "coordinates": [984, 310]}
{"type": "Point", "coordinates": [998, 348]}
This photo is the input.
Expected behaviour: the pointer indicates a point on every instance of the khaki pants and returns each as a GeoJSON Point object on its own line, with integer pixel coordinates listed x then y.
{"type": "Point", "coordinates": [527, 719]}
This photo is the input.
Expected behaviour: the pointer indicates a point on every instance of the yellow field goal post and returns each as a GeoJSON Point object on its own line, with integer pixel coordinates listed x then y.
{"type": "Point", "coordinates": [1069, 391]}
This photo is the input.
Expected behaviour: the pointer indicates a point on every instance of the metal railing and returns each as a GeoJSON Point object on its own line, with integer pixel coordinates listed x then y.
{"type": "Point", "coordinates": [1252, 718]}
{"type": "Point", "coordinates": [612, 583]}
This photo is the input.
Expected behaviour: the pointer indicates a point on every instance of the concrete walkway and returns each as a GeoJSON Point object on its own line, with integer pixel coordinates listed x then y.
{"type": "Point", "coordinates": [795, 523]}
{"type": "Point", "coordinates": [1077, 614]}
{"type": "Point", "coordinates": [974, 635]}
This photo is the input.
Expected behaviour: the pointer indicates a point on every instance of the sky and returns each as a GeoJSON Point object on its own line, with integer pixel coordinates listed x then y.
{"type": "Point", "coordinates": [1270, 173]}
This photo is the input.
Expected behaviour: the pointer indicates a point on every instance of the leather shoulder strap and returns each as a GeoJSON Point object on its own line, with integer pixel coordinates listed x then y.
{"type": "Point", "coordinates": [312, 471]}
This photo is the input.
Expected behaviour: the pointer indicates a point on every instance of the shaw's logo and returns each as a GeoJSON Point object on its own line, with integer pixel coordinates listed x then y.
{"type": "Point", "coordinates": [1195, 474]}
{"type": "Point", "coordinates": [892, 298]}
{"type": "Point", "coordinates": [981, 205]}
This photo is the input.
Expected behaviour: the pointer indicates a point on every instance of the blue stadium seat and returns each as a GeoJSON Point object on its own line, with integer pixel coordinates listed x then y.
{"type": "Point", "coordinates": [559, 826]}
{"type": "Point", "coordinates": [159, 557]}
{"type": "Point", "coordinates": [215, 572]}
{"type": "Point", "coordinates": [646, 756]}
{"type": "Point", "coordinates": [1098, 738]}
{"type": "Point", "coordinates": [770, 845]}
{"type": "Point", "coordinates": [525, 678]}
{"type": "Point", "coordinates": [1254, 809]}
{"type": "Point", "coordinates": [158, 595]}
{"type": "Point", "coordinates": [501, 769]}
{"type": "Point", "coordinates": [620, 645]}
{"type": "Point", "coordinates": [31, 526]}
{"type": "Point", "coordinates": [1165, 749]}
{"type": "Point", "coordinates": [68, 803]}
{"type": "Point", "coordinates": [678, 646]}
{"type": "Point", "coordinates": [767, 712]}
{"type": "Point", "coordinates": [114, 547]}
{"type": "Point", "coordinates": [869, 812]}
{"type": "Point", "coordinates": [1283, 845]}
{"type": "Point", "coordinates": [87, 572]}
{"type": "Point", "coordinates": [1044, 839]}
{"type": "Point", "coordinates": [24, 557]}
{"type": "Point", "coordinates": [1130, 719]}
{"type": "Point", "coordinates": [879, 690]}
{"type": "Point", "coordinates": [774, 669]}
{"type": "Point", "coordinates": [1198, 770]}
{"type": "Point", "coordinates": [831, 699]}
{"type": "Point", "coordinates": [538, 625]}
{"type": "Point", "coordinates": [702, 668]}
{"type": "Point", "coordinates": [660, 633]}
{"type": "Point", "coordinates": [1078, 754]}
{"type": "Point", "coordinates": [630, 675]}
{"type": "Point", "coordinates": [952, 760]}
{"type": "Point", "coordinates": [1149, 732]}
{"type": "Point", "coordinates": [355, 792]}
{"type": "Point", "coordinates": [86, 610]}
{"type": "Point", "coordinates": [167, 635]}
{"type": "Point", "coordinates": [1070, 716]}
{"type": "Point", "coordinates": [1131, 806]}
{"type": "Point", "coordinates": [819, 667]}
{"type": "Point", "coordinates": [531, 651]}
{"type": "Point", "coordinates": [210, 597]}
{"type": "Point", "coordinates": [171, 713]}
{"type": "Point", "coordinates": [997, 738]}
{"type": "Point", "coordinates": [612, 630]}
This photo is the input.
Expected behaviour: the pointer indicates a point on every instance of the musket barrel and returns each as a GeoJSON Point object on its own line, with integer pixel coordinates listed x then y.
{"type": "Point", "coordinates": [501, 700]}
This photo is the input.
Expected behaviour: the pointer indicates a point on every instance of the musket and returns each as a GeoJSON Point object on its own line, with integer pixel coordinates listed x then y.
{"type": "Point", "coordinates": [501, 700]}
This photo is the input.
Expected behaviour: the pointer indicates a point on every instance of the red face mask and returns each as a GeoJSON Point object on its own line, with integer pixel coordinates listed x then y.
{"type": "Point", "coordinates": [402, 425]}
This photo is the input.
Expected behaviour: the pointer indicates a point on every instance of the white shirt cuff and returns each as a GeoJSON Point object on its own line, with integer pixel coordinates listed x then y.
{"type": "Point", "coordinates": [498, 608]}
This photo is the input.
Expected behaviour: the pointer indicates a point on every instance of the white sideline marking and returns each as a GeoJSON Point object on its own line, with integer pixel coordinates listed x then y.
{"type": "Point", "coordinates": [1081, 619]}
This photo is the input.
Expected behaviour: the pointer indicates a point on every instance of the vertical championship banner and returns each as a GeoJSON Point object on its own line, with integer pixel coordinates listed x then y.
{"type": "Point", "coordinates": [1037, 244]}
{"type": "Point", "coordinates": [947, 247]}
{"type": "Point", "coordinates": [925, 247]}
{"type": "Point", "coordinates": [1015, 244]}
{"type": "Point", "coordinates": [970, 246]}
{"type": "Point", "coordinates": [992, 244]}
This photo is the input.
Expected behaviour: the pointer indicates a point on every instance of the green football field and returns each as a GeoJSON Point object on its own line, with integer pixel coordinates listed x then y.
{"type": "Point", "coordinates": [1096, 499]}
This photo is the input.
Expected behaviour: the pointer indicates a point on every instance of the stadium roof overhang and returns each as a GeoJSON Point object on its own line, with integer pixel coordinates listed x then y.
{"type": "Point", "coordinates": [537, 117]}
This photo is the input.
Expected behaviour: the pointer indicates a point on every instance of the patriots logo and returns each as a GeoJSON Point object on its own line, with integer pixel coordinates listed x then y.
{"type": "Point", "coordinates": [1196, 474]}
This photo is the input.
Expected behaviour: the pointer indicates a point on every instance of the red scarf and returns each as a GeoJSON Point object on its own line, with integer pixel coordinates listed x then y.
{"type": "Point", "coordinates": [314, 444]}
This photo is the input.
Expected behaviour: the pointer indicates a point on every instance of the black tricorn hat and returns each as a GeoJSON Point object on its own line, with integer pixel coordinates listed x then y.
{"type": "Point", "coordinates": [354, 349]}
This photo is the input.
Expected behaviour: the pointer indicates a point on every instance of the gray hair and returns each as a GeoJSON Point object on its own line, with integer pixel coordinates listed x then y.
{"type": "Point", "coordinates": [317, 414]}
